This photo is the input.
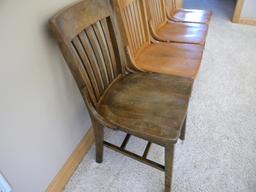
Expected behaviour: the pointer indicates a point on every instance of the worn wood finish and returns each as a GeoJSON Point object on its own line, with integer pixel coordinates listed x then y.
{"type": "Point", "coordinates": [178, 60]}
{"type": "Point", "coordinates": [146, 105]}
{"type": "Point", "coordinates": [192, 33]}
{"type": "Point", "coordinates": [133, 106]}
{"type": "Point", "coordinates": [135, 156]}
{"type": "Point", "coordinates": [186, 15]}
{"type": "Point", "coordinates": [156, 13]}
{"type": "Point", "coordinates": [169, 156]}
{"type": "Point", "coordinates": [134, 25]}
{"type": "Point", "coordinates": [165, 31]}
{"type": "Point", "coordinates": [183, 130]}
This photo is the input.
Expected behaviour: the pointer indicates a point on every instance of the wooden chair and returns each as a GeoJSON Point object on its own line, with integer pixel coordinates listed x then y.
{"type": "Point", "coordinates": [145, 54]}
{"type": "Point", "coordinates": [186, 15]}
{"type": "Point", "coordinates": [146, 105]}
{"type": "Point", "coordinates": [168, 31]}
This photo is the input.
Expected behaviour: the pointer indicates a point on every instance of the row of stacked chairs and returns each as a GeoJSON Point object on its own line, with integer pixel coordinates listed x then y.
{"type": "Point", "coordinates": [134, 62]}
{"type": "Point", "coordinates": [146, 23]}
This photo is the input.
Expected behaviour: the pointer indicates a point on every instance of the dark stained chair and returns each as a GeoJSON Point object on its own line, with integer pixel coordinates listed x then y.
{"type": "Point", "coordinates": [148, 55]}
{"type": "Point", "coordinates": [186, 15]}
{"type": "Point", "coordinates": [146, 105]}
{"type": "Point", "coordinates": [168, 31]}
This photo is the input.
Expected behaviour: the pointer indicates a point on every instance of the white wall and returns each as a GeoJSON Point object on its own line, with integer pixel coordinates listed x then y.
{"type": "Point", "coordinates": [42, 115]}
{"type": "Point", "coordinates": [249, 9]}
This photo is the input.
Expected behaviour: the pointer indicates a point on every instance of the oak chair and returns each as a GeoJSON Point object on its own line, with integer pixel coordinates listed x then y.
{"type": "Point", "coordinates": [186, 15]}
{"type": "Point", "coordinates": [164, 30]}
{"type": "Point", "coordinates": [146, 105]}
{"type": "Point", "coordinates": [148, 55]}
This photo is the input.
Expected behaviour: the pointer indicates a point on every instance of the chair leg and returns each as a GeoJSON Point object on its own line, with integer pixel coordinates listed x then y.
{"type": "Point", "coordinates": [99, 138]}
{"type": "Point", "coordinates": [169, 154]}
{"type": "Point", "coordinates": [183, 130]}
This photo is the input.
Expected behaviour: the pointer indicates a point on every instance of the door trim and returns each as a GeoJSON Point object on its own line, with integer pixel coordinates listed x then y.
{"type": "Point", "coordinates": [238, 11]}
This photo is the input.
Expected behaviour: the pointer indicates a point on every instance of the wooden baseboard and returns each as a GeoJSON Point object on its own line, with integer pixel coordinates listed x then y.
{"type": "Point", "coordinates": [70, 166]}
{"type": "Point", "coordinates": [247, 21]}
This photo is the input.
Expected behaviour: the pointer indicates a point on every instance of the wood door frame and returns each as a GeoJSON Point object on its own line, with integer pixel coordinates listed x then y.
{"type": "Point", "coordinates": [238, 11]}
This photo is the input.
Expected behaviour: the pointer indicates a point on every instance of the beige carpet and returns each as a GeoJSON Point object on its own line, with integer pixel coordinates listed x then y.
{"type": "Point", "coordinates": [219, 153]}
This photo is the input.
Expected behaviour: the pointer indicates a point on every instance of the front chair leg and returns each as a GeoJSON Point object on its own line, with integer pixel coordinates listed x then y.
{"type": "Point", "coordinates": [99, 138]}
{"type": "Point", "coordinates": [169, 155]}
{"type": "Point", "coordinates": [183, 130]}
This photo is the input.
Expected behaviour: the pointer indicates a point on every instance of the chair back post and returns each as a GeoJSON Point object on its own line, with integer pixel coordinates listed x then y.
{"type": "Point", "coordinates": [90, 43]}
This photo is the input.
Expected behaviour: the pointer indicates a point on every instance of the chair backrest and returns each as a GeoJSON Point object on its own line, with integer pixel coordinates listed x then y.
{"type": "Point", "coordinates": [170, 6]}
{"type": "Point", "coordinates": [132, 15]}
{"type": "Point", "coordinates": [88, 38]}
{"type": "Point", "coordinates": [156, 13]}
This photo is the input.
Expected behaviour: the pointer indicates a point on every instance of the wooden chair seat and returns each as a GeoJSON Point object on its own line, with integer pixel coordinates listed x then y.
{"type": "Point", "coordinates": [171, 58]}
{"type": "Point", "coordinates": [191, 15]}
{"type": "Point", "coordinates": [132, 104]}
{"type": "Point", "coordinates": [165, 30]}
{"type": "Point", "coordinates": [183, 32]}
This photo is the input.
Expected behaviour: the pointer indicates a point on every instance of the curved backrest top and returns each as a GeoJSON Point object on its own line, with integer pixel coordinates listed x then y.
{"type": "Point", "coordinates": [75, 18]}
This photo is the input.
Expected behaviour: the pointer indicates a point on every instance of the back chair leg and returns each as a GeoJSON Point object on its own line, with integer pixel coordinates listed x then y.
{"type": "Point", "coordinates": [99, 139]}
{"type": "Point", "coordinates": [169, 155]}
{"type": "Point", "coordinates": [183, 130]}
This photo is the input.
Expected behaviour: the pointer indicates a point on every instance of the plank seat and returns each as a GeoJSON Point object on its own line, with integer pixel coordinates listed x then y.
{"type": "Point", "coordinates": [169, 31]}
{"type": "Point", "coordinates": [187, 15]}
{"type": "Point", "coordinates": [133, 104]}
{"type": "Point", "coordinates": [172, 59]}
{"type": "Point", "coordinates": [147, 54]}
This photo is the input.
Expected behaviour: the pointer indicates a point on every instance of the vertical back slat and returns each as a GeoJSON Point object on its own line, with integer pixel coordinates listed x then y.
{"type": "Point", "coordinates": [156, 7]}
{"type": "Point", "coordinates": [133, 18]}
{"type": "Point", "coordinates": [140, 22]}
{"type": "Point", "coordinates": [152, 12]}
{"type": "Point", "coordinates": [137, 20]}
{"type": "Point", "coordinates": [169, 6]}
{"type": "Point", "coordinates": [84, 76]}
{"type": "Point", "coordinates": [136, 33]}
{"type": "Point", "coordinates": [133, 22]}
{"type": "Point", "coordinates": [174, 3]}
{"type": "Point", "coordinates": [130, 17]}
{"type": "Point", "coordinates": [86, 63]}
{"type": "Point", "coordinates": [156, 12]}
{"type": "Point", "coordinates": [93, 61]}
{"type": "Point", "coordinates": [104, 49]}
{"type": "Point", "coordinates": [98, 54]}
{"type": "Point", "coordinates": [104, 26]}
{"type": "Point", "coordinates": [129, 31]}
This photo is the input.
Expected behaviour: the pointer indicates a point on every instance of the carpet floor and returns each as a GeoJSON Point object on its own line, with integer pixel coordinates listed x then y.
{"type": "Point", "coordinates": [219, 153]}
